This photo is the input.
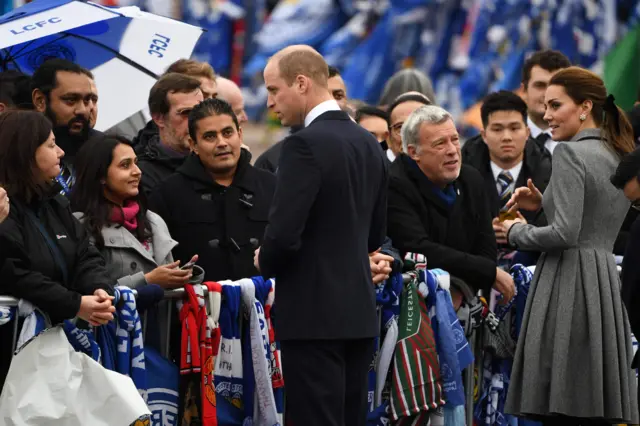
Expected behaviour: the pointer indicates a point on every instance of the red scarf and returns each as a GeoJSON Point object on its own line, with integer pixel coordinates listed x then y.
{"type": "Point", "coordinates": [196, 333]}
{"type": "Point", "coordinates": [126, 215]}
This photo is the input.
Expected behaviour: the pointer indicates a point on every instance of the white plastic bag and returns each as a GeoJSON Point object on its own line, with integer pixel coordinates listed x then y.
{"type": "Point", "coordinates": [49, 383]}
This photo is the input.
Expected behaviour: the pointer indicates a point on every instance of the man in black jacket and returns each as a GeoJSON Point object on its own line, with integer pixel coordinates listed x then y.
{"type": "Point", "coordinates": [505, 155]}
{"type": "Point", "coordinates": [328, 214]}
{"type": "Point", "coordinates": [216, 205]}
{"type": "Point", "coordinates": [439, 208]}
{"type": "Point", "coordinates": [627, 178]}
{"type": "Point", "coordinates": [170, 101]}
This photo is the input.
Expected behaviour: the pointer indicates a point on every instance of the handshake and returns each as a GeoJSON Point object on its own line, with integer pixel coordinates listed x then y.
{"type": "Point", "coordinates": [98, 309]}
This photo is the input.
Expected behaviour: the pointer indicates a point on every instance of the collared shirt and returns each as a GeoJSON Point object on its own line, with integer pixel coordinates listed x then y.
{"type": "Point", "coordinates": [320, 109]}
{"type": "Point", "coordinates": [390, 155]}
{"type": "Point", "coordinates": [515, 172]}
{"type": "Point", "coordinates": [536, 131]}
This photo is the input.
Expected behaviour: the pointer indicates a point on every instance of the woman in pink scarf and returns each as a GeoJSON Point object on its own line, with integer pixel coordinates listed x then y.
{"type": "Point", "coordinates": [134, 241]}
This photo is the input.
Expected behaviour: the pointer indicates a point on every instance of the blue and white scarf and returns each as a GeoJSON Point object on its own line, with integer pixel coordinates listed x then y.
{"type": "Point", "coordinates": [36, 322]}
{"type": "Point", "coordinates": [130, 355]}
{"type": "Point", "coordinates": [6, 314]}
{"type": "Point", "coordinates": [82, 340]}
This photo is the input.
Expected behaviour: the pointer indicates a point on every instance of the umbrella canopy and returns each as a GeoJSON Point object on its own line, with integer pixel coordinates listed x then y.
{"type": "Point", "coordinates": [125, 48]}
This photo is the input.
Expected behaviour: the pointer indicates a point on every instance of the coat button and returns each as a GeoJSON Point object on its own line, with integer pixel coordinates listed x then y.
{"type": "Point", "coordinates": [134, 266]}
{"type": "Point", "coordinates": [113, 240]}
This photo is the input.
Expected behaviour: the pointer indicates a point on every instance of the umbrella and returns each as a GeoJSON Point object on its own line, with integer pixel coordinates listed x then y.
{"type": "Point", "coordinates": [125, 48]}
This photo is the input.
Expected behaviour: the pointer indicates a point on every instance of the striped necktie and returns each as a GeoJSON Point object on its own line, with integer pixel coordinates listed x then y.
{"type": "Point", "coordinates": [505, 179]}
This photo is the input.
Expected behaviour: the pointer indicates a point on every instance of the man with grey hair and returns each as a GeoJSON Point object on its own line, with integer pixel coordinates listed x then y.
{"type": "Point", "coordinates": [438, 207]}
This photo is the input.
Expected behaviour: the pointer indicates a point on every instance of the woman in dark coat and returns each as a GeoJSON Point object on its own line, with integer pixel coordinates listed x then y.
{"type": "Point", "coordinates": [46, 258]}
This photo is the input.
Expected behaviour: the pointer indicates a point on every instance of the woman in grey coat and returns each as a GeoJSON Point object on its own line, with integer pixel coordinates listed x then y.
{"type": "Point", "coordinates": [573, 360]}
{"type": "Point", "coordinates": [134, 241]}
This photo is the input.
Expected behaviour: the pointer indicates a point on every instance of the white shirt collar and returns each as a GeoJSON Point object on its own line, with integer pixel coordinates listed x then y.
{"type": "Point", "coordinates": [535, 130]}
{"type": "Point", "coordinates": [515, 171]}
{"type": "Point", "coordinates": [320, 109]}
{"type": "Point", "coordinates": [390, 155]}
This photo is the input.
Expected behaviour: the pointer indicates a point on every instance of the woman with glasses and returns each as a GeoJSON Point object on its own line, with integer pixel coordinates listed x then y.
{"type": "Point", "coordinates": [573, 360]}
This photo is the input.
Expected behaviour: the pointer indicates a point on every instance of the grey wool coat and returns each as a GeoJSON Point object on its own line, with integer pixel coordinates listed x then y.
{"type": "Point", "coordinates": [127, 259]}
{"type": "Point", "coordinates": [574, 351]}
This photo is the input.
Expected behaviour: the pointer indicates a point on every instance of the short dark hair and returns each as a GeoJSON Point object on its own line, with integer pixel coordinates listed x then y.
{"type": "Point", "coordinates": [21, 134]}
{"type": "Point", "coordinates": [45, 78]}
{"type": "Point", "coordinates": [208, 108]}
{"type": "Point", "coordinates": [15, 89]}
{"type": "Point", "coordinates": [502, 101]}
{"type": "Point", "coordinates": [87, 196]}
{"type": "Point", "coordinates": [549, 60]}
{"type": "Point", "coordinates": [333, 71]}
{"type": "Point", "coordinates": [628, 168]}
{"type": "Point", "coordinates": [170, 83]}
{"type": "Point", "coordinates": [408, 97]}
{"type": "Point", "coordinates": [368, 110]}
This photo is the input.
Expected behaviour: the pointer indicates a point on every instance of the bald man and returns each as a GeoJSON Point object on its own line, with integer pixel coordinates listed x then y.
{"type": "Point", "coordinates": [328, 214]}
{"type": "Point", "coordinates": [230, 92]}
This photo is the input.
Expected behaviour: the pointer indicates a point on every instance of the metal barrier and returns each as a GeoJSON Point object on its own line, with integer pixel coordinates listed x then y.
{"type": "Point", "coordinates": [177, 294]}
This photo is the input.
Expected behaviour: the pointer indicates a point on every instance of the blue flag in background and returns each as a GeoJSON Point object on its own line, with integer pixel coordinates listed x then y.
{"type": "Point", "coordinates": [372, 63]}
{"type": "Point", "coordinates": [217, 18]}
{"type": "Point", "coordinates": [294, 22]}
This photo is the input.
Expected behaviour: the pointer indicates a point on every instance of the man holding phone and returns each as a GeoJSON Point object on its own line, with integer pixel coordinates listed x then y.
{"type": "Point", "coordinates": [217, 203]}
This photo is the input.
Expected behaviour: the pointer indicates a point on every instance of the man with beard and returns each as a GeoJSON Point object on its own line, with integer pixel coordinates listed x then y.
{"type": "Point", "coordinates": [217, 204]}
{"type": "Point", "coordinates": [66, 93]}
{"type": "Point", "coordinates": [171, 100]}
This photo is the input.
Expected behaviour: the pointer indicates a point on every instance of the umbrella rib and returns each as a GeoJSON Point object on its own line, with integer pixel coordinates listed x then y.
{"type": "Point", "coordinates": [117, 55]}
{"type": "Point", "coordinates": [20, 53]}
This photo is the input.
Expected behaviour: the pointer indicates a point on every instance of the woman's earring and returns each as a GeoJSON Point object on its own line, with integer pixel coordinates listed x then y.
{"type": "Point", "coordinates": [583, 116]}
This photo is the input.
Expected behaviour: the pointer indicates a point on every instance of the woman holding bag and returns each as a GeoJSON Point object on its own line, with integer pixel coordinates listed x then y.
{"type": "Point", "coordinates": [573, 360]}
{"type": "Point", "coordinates": [46, 258]}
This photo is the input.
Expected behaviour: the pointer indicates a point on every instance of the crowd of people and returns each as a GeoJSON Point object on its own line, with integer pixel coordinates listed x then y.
{"type": "Point", "coordinates": [553, 180]}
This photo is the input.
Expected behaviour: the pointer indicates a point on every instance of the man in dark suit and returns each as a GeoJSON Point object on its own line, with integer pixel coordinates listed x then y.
{"type": "Point", "coordinates": [327, 215]}
{"type": "Point", "coordinates": [627, 178]}
{"type": "Point", "coordinates": [438, 207]}
{"type": "Point", "coordinates": [506, 156]}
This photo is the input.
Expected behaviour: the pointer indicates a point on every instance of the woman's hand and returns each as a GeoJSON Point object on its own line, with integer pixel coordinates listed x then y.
{"type": "Point", "coordinates": [501, 229]}
{"type": "Point", "coordinates": [169, 276]}
{"type": "Point", "coordinates": [96, 310]}
{"type": "Point", "coordinates": [526, 198]}
{"type": "Point", "coordinates": [507, 224]}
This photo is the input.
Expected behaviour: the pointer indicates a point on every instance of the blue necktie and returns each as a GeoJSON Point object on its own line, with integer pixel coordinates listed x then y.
{"type": "Point", "coordinates": [505, 179]}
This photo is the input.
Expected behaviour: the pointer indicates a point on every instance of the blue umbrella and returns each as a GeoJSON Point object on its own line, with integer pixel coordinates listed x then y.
{"type": "Point", "coordinates": [125, 48]}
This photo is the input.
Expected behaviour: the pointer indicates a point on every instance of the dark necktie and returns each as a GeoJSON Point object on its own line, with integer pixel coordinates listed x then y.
{"type": "Point", "coordinates": [505, 179]}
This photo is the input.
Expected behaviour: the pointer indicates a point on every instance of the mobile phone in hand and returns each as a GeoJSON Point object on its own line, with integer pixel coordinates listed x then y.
{"type": "Point", "coordinates": [188, 265]}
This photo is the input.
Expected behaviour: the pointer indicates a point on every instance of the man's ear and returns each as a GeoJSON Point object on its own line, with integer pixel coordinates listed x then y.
{"type": "Point", "coordinates": [413, 152]}
{"type": "Point", "coordinates": [240, 134]}
{"type": "Point", "coordinates": [483, 133]}
{"type": "Point", "coordinates": [39, 100]}
{"type": "Point", "coordinates": [158, 119]}
{"type": "Point", "coordinates": [302, 83]}
{"type": "Point", "coordinates": [3, 107]}
{"type": "Point", "coordinates": [193, 145]}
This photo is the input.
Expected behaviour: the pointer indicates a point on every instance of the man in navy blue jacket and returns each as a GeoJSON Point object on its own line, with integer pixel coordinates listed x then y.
{"type": "Point", "coordinates": [328, 214]}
